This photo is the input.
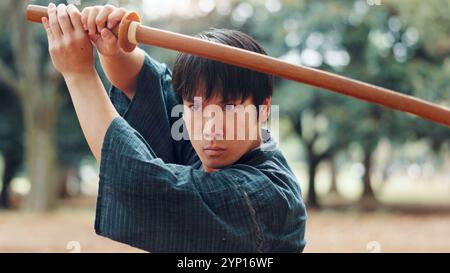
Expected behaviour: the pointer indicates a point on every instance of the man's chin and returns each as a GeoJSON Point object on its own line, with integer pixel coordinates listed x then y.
{"type": "Point", "coordinates": [216, 164]}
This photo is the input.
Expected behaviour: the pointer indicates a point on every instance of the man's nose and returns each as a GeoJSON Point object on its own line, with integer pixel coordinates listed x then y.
{"type": "Point", "coordinates": [212, 129]}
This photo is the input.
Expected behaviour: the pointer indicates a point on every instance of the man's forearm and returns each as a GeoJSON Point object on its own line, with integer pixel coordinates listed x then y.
{"type": "Point", "coordinates": [93, 107]}
{"type": "Point", "coordinates": [123, 69]}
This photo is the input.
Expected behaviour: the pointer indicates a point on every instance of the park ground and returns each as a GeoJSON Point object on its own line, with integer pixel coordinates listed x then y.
{"type": "Point", "coordinates": [71, 228]}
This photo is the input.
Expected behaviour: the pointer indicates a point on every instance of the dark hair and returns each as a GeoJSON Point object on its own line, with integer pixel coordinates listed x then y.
{"type": "Point", "coordinates": [233, 83]}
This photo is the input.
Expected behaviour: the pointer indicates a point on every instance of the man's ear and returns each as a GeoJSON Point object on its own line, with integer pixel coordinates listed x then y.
{"type": "Point", "coordinates": [264, 110]}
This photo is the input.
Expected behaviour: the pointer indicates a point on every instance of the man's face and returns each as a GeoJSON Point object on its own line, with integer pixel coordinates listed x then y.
{"type": "Point", "coordinates": [222, 132]}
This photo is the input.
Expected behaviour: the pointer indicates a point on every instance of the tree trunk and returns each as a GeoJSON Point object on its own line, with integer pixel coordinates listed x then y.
{"type": "Point", "coordinates": [12, 164]}
{"type": "Point", "coordinates": [7, 176]}
{"type": "Point", "coordinates": [333, 171]}
{"type": "Point", "coordinates": [368, 199]}
{"type": "Point", "coordinates": [37, 87]}
{"type": "Point", "coordinates": [368, 190]}
{"type": "Point", "coordinates": [40, 120]}
{"type": "Point", "coordinates": [312, 170]}
{"type": "Point", "coordinates": [41, 158]}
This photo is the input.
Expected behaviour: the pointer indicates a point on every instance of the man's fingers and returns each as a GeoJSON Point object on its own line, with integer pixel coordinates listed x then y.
{"type": "Point", "coordinates": [115, 17]}
{"type": "Point", "coordinates": [47, 29]}
{"type": "Point", "coordinates": [102, 17]}
{"type": "Point", "coordinates": [53, 21]}
{"type": "Point", "coordinates": [64, 20]}
{"type": "Point", "coordinates": [108, 36]}
{"type": "Point", "coordinates": [75, 17]}
{"type": "Point", "coordinates": [91, 22]}
{"type": "Point", "coordinates": [94, 37]}
{"type": "Point", "coordinates": [84, 17]}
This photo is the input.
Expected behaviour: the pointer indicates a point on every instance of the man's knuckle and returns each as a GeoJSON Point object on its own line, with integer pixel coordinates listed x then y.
{"type": "Point", "coordinates": [71, 7]}
{"type": "Point", "coordinates": [109, 7]}
{"type": "Point", "coordinates": [86, 11]}
{"type": "Point", "coordinates": [63, 16]}
{"type": "Point", "coordinates": [74, 13]}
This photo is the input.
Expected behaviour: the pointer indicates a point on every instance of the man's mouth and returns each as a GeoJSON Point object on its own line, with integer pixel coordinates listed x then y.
{"type": "Point", "coordinates": [213, 151]}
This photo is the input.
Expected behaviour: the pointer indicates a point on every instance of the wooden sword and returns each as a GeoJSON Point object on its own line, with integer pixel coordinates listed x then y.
{"type": "Point", "coordinates": [130, 32]}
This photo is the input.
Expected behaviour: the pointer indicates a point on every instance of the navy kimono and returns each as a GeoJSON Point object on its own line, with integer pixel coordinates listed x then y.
{"type": "Point", "coordinates": [155, 195]}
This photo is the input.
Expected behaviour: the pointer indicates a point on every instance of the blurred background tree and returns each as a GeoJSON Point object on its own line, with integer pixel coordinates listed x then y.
{"type": "Point", "coordinates": [38, 103]}
{"type": "Point", "coordinates": [25, 70]}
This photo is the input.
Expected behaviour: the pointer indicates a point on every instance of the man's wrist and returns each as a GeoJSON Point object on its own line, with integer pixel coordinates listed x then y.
{"type": "Point", "coordinates": [114, 57]}
{"type": "Point", "coordinates": [80, 75]}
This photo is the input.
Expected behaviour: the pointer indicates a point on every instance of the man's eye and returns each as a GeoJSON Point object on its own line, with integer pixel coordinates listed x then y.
{"type": "Point", "coordinates": [195, 107]}
{"type": "Point", "coordinates": [230, 107]}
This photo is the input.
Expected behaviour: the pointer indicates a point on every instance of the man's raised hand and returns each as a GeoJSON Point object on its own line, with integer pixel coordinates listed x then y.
{"type": "Point", "coordinates": [99, 21]}
{"type": "Point", "coordinates": [69, 45]}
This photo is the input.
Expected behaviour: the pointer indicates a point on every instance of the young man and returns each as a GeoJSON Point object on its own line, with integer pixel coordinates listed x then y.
{"type": "Point", "coordinates": [213, 192]}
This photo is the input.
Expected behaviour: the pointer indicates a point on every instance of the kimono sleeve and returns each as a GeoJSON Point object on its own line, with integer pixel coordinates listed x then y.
{"type": "Point", "coordinates": [149, 112]}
